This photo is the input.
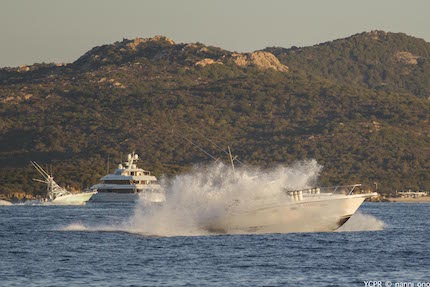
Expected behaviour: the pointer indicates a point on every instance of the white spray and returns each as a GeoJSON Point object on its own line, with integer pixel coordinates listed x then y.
{"type": "Point", "coordinates": [207, 192]}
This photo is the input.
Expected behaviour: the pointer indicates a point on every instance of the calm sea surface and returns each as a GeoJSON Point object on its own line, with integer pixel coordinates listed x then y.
{"type": "Point", "coordinates": [39, 246]}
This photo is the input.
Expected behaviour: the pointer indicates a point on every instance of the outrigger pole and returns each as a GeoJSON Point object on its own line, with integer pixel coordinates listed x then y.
{"type": "Point", "coordinates": [212, 142]}
{"type": "Point", "coordinates": [40, 169]}
{"type": "Point", "coordinates": [231, 158]}
{"type": "Point", "coordinates": [54, 189]}
{"type": "Point", "coordinates": [191, 142]}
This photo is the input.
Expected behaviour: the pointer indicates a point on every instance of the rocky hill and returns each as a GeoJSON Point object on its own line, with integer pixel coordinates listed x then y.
{"type": "Point", "coordinates": [378, 60]}
{"type": "Point", "coordinates": [359, 106]}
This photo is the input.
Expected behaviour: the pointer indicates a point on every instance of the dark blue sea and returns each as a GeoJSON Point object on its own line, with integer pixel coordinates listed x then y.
{"type": "Point", "coordinates": [53, 246]}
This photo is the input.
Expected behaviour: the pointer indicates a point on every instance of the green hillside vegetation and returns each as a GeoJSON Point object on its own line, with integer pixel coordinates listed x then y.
{"type": "Point", "coordinates": [130, 95]}
{"type": "Point", "coordinates": [393, 62]}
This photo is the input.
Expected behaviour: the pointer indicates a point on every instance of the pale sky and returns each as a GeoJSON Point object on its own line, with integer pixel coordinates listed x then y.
{"type": "Point", "coordinates": [61, 31]}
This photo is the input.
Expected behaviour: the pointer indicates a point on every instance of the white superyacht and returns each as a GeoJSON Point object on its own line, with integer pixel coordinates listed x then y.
{"type": "Point", "coordinates": [127, 184]}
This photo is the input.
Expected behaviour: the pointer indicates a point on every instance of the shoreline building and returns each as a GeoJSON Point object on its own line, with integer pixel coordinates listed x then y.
{"type": "Point", "coordinates": [411, 194]}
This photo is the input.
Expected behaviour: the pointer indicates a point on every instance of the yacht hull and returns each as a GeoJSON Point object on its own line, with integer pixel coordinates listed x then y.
{"type": "Point", "coordinates": [4, 202]}
{"type": "Point", "coordinates": [321, 214]}
{"type": "Point", "coordinates": [73, 199]}
{"type": "Point", "coordinates": [127, 197]}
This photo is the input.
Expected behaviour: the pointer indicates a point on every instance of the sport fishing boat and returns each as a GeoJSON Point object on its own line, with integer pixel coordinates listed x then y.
{"type": "Point", "coordinates": [318, 209]}
{"type": "Point", "coordinates": [58, 195]}
{"type": "Point", "coordinates": [127, 184]}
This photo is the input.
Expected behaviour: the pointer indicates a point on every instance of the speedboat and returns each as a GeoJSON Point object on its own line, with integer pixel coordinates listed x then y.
{"type": "Point", "coordinates": [309, 210]}
{"type": "Point", "coordinates": [127, 184]}
{"type": "Point", "coordinates": [318, 209]}
{"type": "Point", "coordinates": [58, 195]}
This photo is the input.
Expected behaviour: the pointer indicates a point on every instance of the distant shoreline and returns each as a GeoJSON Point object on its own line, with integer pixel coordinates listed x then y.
{"type": "Point", "coordinates": [408, 199]}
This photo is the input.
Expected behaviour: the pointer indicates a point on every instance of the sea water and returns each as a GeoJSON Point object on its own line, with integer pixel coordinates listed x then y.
{"type": "Point", "coordinates": [56, 246]}
{"type": "Point", "coordinates": [139, 244]}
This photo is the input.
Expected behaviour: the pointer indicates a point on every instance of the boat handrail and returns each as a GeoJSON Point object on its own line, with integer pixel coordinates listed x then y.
{"type": "Point", "coordinates": [325, 190]}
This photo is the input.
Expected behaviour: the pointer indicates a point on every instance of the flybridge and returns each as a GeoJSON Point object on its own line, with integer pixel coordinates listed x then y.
{"type": "Point", "coordinates": [130, 168]}
{"type": "Point", "coordinates": [129, 164]}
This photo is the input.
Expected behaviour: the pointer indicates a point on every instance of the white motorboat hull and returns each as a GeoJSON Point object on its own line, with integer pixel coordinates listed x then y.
{"type": "Point", "coordinates": [73, 199]}
{"type": "Point", "coordinates": [317, 214]}
{"type": "Point", "coordinates": [4, 202]}
{"type": "Point", "coordinates": [128, 197]}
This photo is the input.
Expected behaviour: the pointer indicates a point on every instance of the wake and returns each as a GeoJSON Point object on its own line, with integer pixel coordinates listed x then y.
{"type": "Point", "coordinates": [362, 222]}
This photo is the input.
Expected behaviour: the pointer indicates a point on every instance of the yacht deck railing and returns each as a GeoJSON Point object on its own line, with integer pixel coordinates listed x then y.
{"type": "Point", "coordinates": [322, 191]}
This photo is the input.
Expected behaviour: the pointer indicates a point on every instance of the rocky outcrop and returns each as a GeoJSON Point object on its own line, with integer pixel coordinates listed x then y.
{"type": "Point", "coordinates": [133, 44]}
{"type": "Point", "coordinates": [162, 48]}
{"type": "Point", "coordinates": [124, 51]}
{"type": "Point", "coordinates": [206, 62]}
{"type": "Point", "coordinates": [406, 58]}
{"type": "Point", "coordinates": [23, 69]}
{"type": "Point", "coordinates": [376, 34]}
{"type": "Point", "coordinates": [261, 59]}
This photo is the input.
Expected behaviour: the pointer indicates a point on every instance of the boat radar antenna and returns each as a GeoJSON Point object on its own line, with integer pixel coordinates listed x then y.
{"type": "Point", "coordinates": [54, 190]}
{"type": "Point", "coordinates": [131, 158]}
